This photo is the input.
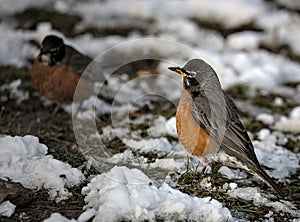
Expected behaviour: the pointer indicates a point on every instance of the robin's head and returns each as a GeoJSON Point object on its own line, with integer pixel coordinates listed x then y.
{"type": "Point", "coordinates": [197, 75]}
{"type": "Point", "coordinates": [52, 50]}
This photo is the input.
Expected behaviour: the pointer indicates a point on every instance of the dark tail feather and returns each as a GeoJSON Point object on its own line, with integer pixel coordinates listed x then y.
{"type": "Point", "coordinates": [260, 172]}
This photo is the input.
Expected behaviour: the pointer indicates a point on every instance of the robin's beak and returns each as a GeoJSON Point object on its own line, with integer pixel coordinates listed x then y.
{"type": "Point", "coordinates": [179, 70]}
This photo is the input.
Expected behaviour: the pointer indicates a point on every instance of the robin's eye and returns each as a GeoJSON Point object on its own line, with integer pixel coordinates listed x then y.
{"type": "Point", "coordinates": [191, 74]}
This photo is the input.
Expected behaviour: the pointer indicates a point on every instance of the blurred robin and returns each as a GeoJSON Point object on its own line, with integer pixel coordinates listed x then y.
{"type": "Point", "coordinates": [58, 70]}
{"type": "Point", "coordinates": [208, 123]}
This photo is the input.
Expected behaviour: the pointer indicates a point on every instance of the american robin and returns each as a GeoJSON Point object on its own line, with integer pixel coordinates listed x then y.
{"type": "Point", "coordinates": [57, 71]}
{"type": "Point", "coordinates": [208, 123]}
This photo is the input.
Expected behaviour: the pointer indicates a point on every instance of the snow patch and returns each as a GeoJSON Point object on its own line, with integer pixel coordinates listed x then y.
{"type": "Point", "coordinates": [232, 174]}
{"type": "Point", "coordinates": [171, 127]}
{"type": "Point", "coordinates": [24, 160]}
{"type": "Point", "coordinates": [283, 162]}
{"type": "Point", "coordinates": [291, 123]}
{"type": "Point", "coordinates": [169, 164]}
{"type": "Point", "coordinates": [128, 194]}
{"type": "Point", "coordinates": [15, 93]}
{"type": "Point", "coordinates": [159, 127]}
{"type": "Point", "coordinates": [265, 118]}
{"type": "Point", "coordinates": [57, 217]}
{"type": "Point", "coordinates": [230, 15]}
{"type": "Point", "coordinates": [7, 209]}
{"type": "Point", "coordinates": [162, 146]}
{"type": "Point", "coordinates": [244, 40]}
{"type": "Point", "coordinates": [253, 194]}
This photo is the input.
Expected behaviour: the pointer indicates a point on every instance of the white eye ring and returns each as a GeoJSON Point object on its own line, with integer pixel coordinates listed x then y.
{"type": "Point", "coordinates": [192, 74]}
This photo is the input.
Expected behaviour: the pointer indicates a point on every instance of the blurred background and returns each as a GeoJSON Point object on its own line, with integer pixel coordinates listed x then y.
{"type": "Point", "coordinates": [252, 45]}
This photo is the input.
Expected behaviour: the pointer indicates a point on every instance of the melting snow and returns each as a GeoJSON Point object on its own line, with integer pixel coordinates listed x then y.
{"type": "Point", "coordinates": [291, 123]}
{"type": "Point", "coordinates": [15, 93]}
{"type": "Point", "coordinates": [253, 194]}
{"type": "Point", "coordinates": [282, 161]}
{"type": "Point", "coordinates": [128, 194]}
{"type": "Point", "coordinates": [57, 217]}
{"type": "Point", "coordinates": [265, 118]}
{"type": "Point", "coordinates": [24, 160]}
{"type": "Point", "coordinates": [7, 209]}
{"type": "Point", "coordinates": [162, 145]}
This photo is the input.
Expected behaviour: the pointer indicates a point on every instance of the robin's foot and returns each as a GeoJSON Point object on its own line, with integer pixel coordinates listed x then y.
{"type": "Point", "coordinates": [213, 175]}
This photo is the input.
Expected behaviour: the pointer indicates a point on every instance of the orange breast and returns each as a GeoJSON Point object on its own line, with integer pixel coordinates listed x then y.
{"type": "Point", "coordinates": [58, 83]}
{"type": "Point", "coordinates": [193, 138]}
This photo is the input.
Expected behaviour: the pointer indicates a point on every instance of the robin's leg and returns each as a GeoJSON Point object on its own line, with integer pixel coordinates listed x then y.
{"type": "Point", "coordinates": [58, 106]}
{"type": "Point", "coordinates": [188, 167]}
{"type": "Point", "coordinates": [78, 109]}
{"type": "Point", "coordinates": [215, 166]}
{"type": "Point", "coordinates": [204, 169]}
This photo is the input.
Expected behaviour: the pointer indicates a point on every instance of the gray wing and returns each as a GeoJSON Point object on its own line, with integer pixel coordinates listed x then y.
{"type": "Point", "coordinates": [235, 140]}
{"type": "Point", "coordinates": [84, 65]}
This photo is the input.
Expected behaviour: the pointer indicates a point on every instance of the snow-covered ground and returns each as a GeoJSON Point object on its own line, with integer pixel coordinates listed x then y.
{"type": "Point", "coordinates": [128, 189]}
{"type": "Point", "coordinates": [25, 160]}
